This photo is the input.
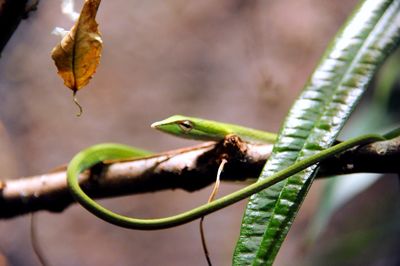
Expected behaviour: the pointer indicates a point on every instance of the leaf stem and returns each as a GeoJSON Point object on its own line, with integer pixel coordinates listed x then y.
{"type": "Point", "coordinates": [74, 98]}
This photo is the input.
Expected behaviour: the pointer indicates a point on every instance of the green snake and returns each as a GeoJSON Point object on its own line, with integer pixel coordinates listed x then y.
{"type": "Point", "coordinates": [193, 128]}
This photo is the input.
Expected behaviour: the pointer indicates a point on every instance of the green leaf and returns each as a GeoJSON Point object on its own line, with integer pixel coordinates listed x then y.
{"type": "Point", "coordinates": [314, 122]}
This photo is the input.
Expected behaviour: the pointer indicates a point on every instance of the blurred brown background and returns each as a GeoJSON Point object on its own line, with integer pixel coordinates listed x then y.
{"type": "Point", "coordinates": [231, 60]}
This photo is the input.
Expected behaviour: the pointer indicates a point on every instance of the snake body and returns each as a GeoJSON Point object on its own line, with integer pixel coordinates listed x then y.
{"type": "Point", "coordinates": [194, 128]}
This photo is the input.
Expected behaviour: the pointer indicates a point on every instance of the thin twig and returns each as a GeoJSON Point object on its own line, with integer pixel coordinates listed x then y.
{"type": "Point", "coordinates": [211, 198]}
{"type": "Point", "coordinates": [35, 242]}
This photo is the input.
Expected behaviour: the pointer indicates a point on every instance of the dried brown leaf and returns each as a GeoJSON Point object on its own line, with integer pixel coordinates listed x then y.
{"type": "Point", "coordinates": [78, 54]}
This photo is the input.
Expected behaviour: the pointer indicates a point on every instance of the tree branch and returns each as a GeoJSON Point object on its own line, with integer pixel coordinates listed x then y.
{"type": "Point", "coordinates": [11, 14]}
{"type": "Point", "coordinates": [189, 169]}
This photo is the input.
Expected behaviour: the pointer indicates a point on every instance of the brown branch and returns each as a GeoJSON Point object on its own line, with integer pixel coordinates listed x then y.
{"type": "Point", "coordinates": [189, 169]}
{"type": "Point", "coordinates": [11, 14]}
{"type": "Point", "coordinates": [377, 157]}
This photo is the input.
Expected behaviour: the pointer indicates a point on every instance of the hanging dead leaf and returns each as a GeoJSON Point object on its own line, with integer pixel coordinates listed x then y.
{"type": "Point", "coordinates": [78, 53]}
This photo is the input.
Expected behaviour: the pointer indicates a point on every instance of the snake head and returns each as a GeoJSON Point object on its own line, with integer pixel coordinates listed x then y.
{"type": "Point", "coordinates": [176, 125]}
{"type": "Point", "coordinates": [189, 127]}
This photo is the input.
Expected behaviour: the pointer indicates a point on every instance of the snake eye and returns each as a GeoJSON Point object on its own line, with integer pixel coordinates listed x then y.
{"type": "Point", "coordinates": [186, 126]}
